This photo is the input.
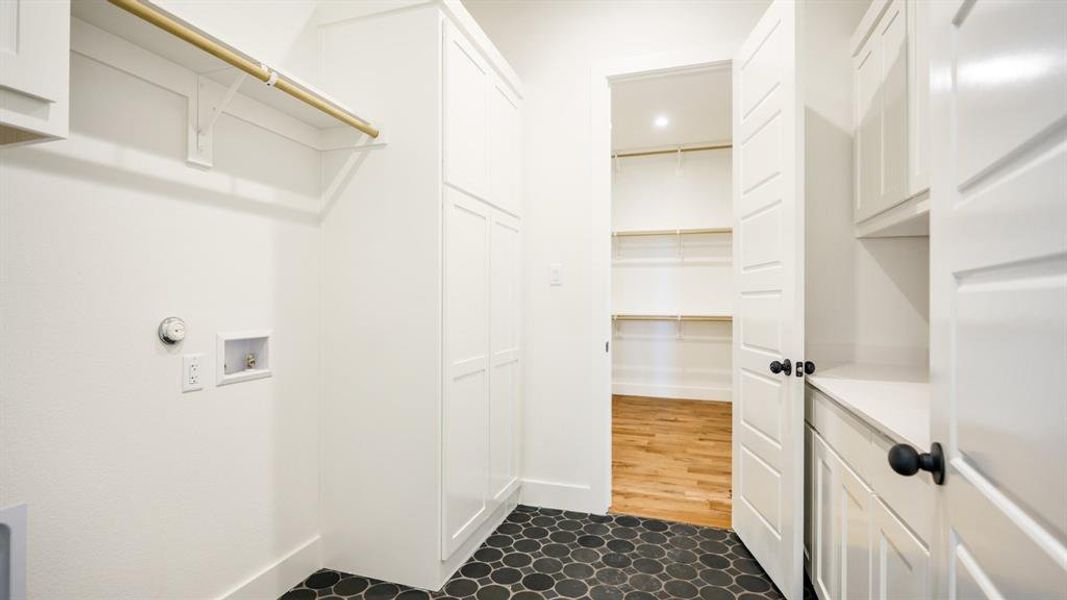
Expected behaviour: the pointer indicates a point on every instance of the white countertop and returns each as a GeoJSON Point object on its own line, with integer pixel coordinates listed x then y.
{"type": "Point", "coordinates": [893, 399]}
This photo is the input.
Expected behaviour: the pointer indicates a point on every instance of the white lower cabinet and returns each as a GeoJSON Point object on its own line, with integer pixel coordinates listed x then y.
{"type": "Point", "coordinates": [857, 544]}
{"type": "Point", "coordinates": [480, 457]}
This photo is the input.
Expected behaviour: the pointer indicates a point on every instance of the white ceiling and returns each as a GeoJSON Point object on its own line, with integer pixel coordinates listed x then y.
{"type": "Point", "coordinates": [696, 104]}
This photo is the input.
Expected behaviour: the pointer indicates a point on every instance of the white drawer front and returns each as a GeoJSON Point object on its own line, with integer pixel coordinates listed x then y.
{"type": "Point", "coordinates": [846, 434]}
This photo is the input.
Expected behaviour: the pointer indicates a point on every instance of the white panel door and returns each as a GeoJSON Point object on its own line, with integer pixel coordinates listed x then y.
{"type": "Point", "coordinates": [465, 443]}
{"type": "Point", "coordinates": [504, 336]}
{"type": "Point", "coordinates": [34, 47]}
{"type": "Point", "coordinates": [466, 115]}
{"type": "Point", "coordinates": [504, 129]}
{"type": "Point", "coordinates": [998, 271]}
{"type": "Point", "coordinates": [768, 421]}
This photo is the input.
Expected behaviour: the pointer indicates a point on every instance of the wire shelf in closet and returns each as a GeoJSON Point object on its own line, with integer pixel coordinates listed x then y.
{"type": "Point", "coordinates": [663, 232]}
{"type": "Point", "coordinates": [675, 150]}
{"type": "Point", "coordinates": [635, 317]}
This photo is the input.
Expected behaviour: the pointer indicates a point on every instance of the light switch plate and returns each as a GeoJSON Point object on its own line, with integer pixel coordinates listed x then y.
{"type": "Point", "coordinates": [192, 372]}
{"type": "Point", "coordinates": [555, 274]}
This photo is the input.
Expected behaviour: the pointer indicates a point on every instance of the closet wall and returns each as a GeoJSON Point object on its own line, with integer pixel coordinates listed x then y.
{"type": "Point", "coordinates": [672, 275]}
{"type": "Point", "coordinates": [134, 489]}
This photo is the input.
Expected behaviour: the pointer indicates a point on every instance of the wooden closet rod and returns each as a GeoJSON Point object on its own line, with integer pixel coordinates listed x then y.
{"type": "Point", "coordinates": [259, 71]}
{"type": "Point", "coordinates": [672, 151]}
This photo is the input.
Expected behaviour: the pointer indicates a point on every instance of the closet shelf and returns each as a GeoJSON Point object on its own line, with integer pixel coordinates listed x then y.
{"type": "Point", "coordinates": [910, 218]}
{"type": "Point", "coordinates": [653, 232]}
{"type": "Point", "coordinates": [672, 262]}
{"type": "Point", "coordinates": [675, 150]}
{"type": "Point", "coordinates": [145, 24]}
{"type": "Point", "coordinates": [633, 317]}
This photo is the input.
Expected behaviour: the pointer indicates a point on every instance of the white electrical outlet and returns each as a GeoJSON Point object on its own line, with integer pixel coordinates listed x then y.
{"type": "Point", "coordinates": [192, 373]}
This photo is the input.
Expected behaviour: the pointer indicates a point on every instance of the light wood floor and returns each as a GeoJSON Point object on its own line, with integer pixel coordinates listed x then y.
{"type": "Point", "coordinates": [671, 459]}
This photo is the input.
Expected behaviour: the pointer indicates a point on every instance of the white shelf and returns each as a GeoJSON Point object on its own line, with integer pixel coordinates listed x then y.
{"type": "Point", "coordinates": [910, 218]}
{"type": "Point", "coordinates": [672, 232]}
{"type": "Point", "coordinates": [120, 23]}
{"type": "Point", "coordinates": [893, 399]}
{"type": "Point", "coordinates": [653, 317]}
{"type": "Point", "coordinates": [671, 262]}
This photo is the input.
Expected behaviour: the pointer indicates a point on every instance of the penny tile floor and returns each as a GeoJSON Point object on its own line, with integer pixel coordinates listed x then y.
{"type": "Point", "coordinates": [543, 554]}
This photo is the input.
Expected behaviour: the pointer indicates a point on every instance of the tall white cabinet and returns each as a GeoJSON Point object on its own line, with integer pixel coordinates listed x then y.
{"type": "Point", "coordinates": [423, 359]}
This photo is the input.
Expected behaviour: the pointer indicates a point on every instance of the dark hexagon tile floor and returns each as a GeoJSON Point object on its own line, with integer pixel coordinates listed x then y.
{"type": "Point", "coordinates": [544, 554]}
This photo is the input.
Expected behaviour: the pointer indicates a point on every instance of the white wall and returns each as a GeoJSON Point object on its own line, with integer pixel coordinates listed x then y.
{"type": "Point", "coordinates": [672, 275]}
{"type": "Point", "coordinates": [553, 47]}
{"type": "Point", "coordinates": [866, 300]}
{"type": "Point", "coordinates": [656, 192]}
{"type": "Point", "coordinates": [134, 489]}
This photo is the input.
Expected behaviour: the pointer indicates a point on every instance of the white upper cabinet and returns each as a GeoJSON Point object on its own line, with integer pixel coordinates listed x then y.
{"type": "Point", "coordinates": [890, 85]}
{"type": "Point", "coordinates": [466, 115]}
{"type": "Point", "coordinates": [504, 129]}
{"type": "Point", "coordinates": [34, 69]}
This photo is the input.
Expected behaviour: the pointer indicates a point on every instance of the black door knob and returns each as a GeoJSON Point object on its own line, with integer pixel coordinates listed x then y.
{"type": "Point", "coordinates": [907, 461]}
{"type": "Point", "coordinates": [809, 367]}
{"type": "Point", "coordinates": [786, 366]}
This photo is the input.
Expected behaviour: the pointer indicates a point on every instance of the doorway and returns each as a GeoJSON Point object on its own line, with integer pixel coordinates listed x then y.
{"type": "Point", "coordinates": [671, 294]}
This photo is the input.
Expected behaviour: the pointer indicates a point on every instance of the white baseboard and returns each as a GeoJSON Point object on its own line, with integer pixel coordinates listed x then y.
{"type": "Point", "coordinates": [278, 578]}
{"type": "Point", "coordinates": [682, 392]}
{"type": "Point", "coordinates": [563, 496]}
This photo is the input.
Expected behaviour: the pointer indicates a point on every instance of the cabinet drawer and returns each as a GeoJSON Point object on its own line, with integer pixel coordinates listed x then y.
{"type": "Point", "coordinates": [846, 434]}
{"type": "Point", "coordinates": [911, 498]}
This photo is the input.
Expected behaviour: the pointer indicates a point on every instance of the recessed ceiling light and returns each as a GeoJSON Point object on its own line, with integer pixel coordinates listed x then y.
{"type": "Point", "coordinates": [661, 121]}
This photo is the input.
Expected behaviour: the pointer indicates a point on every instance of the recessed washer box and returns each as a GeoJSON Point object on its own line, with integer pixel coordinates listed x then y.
{"type": "Point", "coordinates": [242, 356]}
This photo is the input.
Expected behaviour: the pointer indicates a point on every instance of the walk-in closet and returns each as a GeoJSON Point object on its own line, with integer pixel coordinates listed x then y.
{"type": "Point", "coordinates": [672, 293]}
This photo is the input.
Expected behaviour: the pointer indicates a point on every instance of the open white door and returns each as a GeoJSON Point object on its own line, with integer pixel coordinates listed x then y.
{"type": "Point", "coordinates": [768, 415]}
{"type": "Point", "coordinates": [998, 306]}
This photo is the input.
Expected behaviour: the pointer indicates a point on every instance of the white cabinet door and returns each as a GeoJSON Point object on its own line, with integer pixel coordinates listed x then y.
{"type": "Point", "coordinates": [855, 503]}
{"type": "Point", "coordinates": [768, 325]}
{"type": "Point", "coordinates": [465, 440]}
{"type": "Point", "coordinates": [466, 115]}
{"type": "Point", "coordinates": [824, 565]}
{"type": "Point", "coordinates": [504, 336]}
{"type": "Point", "coordinates": [998, 296]}
{"type": "Point", "coordinates": [918, 96]}
{"type": "Point", "coordinates": [34, 47]}
{"type": "Point", "coordinates": [867, 104]}
{"type": "Point", "coordinates": [504, 127]}
{"type": "Point", "coordinates": [34, 69]}
{"type": "Point", "coordinates": [881, 105]}
{"type": "Point", "coordinates": [842, 517]}
{"type": "Point", "coordinates": [900, 562]}
{"type": "Point", "coordinates": [892, 32]}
